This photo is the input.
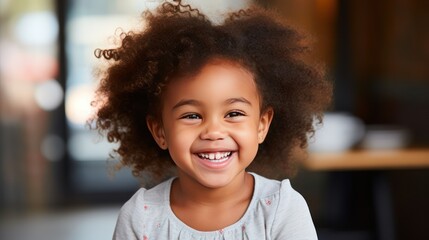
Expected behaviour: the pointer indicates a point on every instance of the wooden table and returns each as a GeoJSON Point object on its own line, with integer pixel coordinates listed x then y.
{"type": "Point", "coordinates": [378, 162]}
{"type": "Point", "coordinates": [368, 160]}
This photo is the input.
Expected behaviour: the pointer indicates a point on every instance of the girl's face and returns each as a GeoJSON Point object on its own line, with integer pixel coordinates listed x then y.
{"type": "Point", "coordinates": [212, 124]}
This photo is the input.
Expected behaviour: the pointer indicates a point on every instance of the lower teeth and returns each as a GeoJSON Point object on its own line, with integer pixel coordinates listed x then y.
{"type": "Point", "coordinates": [216, 160]}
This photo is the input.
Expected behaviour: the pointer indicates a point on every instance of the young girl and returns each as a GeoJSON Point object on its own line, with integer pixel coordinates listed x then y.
{"type": "Point", "coordinates": [203, 97]}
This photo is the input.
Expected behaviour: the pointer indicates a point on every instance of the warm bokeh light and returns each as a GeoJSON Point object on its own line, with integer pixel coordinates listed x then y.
{"type": "Point", "coordinates": [78, 104]}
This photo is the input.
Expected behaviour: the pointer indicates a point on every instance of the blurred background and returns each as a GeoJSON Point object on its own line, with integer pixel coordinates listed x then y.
{"type": "Point", "coordinates": [367, 173]}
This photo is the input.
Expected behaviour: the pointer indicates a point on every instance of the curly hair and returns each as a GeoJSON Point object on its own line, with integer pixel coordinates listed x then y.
{"type": "Point", "coordinates": [179, 40]}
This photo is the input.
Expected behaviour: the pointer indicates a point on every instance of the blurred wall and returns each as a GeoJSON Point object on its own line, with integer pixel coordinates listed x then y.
{"type": "Point", "coordinates": [29, 93]}
{"type": "Point", "coordinates": [377, 54]}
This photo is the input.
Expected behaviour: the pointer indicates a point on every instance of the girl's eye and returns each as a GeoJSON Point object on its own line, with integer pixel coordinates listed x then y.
{"type": "Point", "coordinates": [234, 114]}
{"type": "Point", "coordinates": [191, 116]}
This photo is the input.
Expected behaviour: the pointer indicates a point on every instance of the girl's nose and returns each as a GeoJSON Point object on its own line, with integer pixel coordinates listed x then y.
{"type": "Point", "coordinates": [213, 130]}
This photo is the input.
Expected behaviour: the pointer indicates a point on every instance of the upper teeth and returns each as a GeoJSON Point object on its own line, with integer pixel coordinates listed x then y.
{"type": "Point", "coordinates": [214, 156]}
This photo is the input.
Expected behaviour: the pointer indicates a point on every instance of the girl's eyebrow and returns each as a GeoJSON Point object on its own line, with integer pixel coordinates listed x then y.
{"type": "Point", "coordinates": [194, 102]}
{"type": "Point", "coordinates": [238, 100]}
{"type": "Point", "coordinates": [186, 102]}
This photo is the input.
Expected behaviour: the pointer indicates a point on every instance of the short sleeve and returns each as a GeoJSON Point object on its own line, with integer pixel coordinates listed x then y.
{"type": "Point", "coordinates": [292, 220]}
{"type": "Point", "coordinates": [129, 218]}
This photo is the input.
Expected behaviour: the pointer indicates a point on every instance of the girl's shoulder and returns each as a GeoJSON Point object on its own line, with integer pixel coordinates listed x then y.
{"type": "Point", "coordinates": [157, 195]}
{"type": "Point", "coordinates": [265, 187]}
{"type": "Point", "coordinates": [145, 201]}
{"type": "Point", "coordinates": [278, 195]}
{"type": "Point", "coordinates": [285, 209]}
{"type": "Point", "coordinates": [144, 210]}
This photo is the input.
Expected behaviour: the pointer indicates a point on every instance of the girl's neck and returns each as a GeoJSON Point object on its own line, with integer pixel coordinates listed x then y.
{"type": "Point", "coordinates": [186, 190]}
{"type": "Point", "coordinates": [191, 202]}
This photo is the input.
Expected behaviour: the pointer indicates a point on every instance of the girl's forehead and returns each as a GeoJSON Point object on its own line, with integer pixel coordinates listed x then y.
{"type": "Point", "coordinates": [216, 79]}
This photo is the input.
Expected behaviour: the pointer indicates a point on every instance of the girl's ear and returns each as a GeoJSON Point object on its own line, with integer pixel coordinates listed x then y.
{"type": "Point", "coordinates": [264, 124]}
{"type": "Point", "coordinates": [157, 130]}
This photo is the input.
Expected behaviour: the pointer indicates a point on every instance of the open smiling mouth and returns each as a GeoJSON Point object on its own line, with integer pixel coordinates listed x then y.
{"type": "Point", "coordinates": [217, 157]}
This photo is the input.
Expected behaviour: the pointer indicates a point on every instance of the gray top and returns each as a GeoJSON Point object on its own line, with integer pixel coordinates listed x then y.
{"type": "Point", "coordinates": [276, 211]}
